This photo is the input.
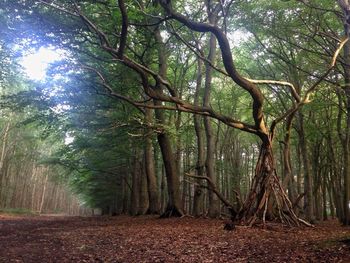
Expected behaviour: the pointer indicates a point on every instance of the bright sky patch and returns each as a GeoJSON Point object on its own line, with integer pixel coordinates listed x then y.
{"type": "Point", "coordinates": [36, 64]}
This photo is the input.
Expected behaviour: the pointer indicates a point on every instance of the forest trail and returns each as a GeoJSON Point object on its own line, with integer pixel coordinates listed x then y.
{"type": "Point", "coordinates": [149, 239]}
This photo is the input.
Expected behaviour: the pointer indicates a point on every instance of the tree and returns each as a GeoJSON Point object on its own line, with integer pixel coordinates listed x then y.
{"type": "Point", "coordinates": [345, 137]}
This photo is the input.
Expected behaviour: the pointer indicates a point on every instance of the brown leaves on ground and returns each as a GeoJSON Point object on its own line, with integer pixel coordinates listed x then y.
{"type": "Point", "coordinates": [149, 239]}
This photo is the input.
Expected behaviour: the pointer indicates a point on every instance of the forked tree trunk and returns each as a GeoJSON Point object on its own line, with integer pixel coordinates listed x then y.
{"type": "Point", "coordinates": [267, 200]}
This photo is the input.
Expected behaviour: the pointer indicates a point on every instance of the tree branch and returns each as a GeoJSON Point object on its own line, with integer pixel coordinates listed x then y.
{"type": "Point", "coordinates": [227, 59]}
{"type": "Point", "coordinates": [214, 189]}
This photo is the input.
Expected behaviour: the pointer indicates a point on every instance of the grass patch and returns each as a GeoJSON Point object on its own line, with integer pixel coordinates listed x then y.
{"type": "Point", "coordinates": [17, 211]}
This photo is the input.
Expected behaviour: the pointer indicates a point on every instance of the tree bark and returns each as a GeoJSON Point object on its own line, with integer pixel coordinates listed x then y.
{"type": "Point", "coordinates": [214, 209]}
{"type": "Point", "coordinates": [288, 181]}
{"type": "Point", "coordinates": [44, 192]}
{"type": "Point", "coordinates": [135, 186]}
{"type": "Point", "coordinates": [346, 143]}
{"type": "Point", "coordinates": [346, 138]}
{"type": "Point", "coordinates": [174, 207]}
{"type": "Point", "coordinates": [308, 186]}
{"type": "Point", "coordinates": [153, 194]}
{"type": "Point", "coordinates": [200, 145]}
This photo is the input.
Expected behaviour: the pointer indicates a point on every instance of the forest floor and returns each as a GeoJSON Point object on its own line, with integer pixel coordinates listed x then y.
{"type": "Point", "coordinates": [149, 239]}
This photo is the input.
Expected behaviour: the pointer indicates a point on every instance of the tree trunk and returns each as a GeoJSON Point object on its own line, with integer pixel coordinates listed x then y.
{"type": "Point", "coordinates": [125, 194]}
{"type": "Point", "coordinates": [200, 145]}
{"type": "Point", "coordinates": [4, 147]}
{"type": "Point", "coordinates": [346, 138]}
{"type": "Point", "coordinates": [3, 167]}
{"type": "Point", "coordinates": [135, 186]}
{"type": "Point", "coordinates": [143, 201]}
{"type": "Point", "coordinates": [346, 142]}
{"type": "Point", "coordinates": [214, 210]}
{"type": "Point", "coordinates": [308, 189]}
{"type": "Point", "coordinates": [288, 181]}
{"type": "Point", "coordinates": [266, 188]}
{"type": "Point", "coordinates": [153, 194]}
{"type": "Point", "coordinates": [174, 202]}
{"type": "Point", "coordinates": [163, 194]}
{"type": "Point", "coordinates": [44, 192]}
{"type": "Point", "coordinates": [174, 207]}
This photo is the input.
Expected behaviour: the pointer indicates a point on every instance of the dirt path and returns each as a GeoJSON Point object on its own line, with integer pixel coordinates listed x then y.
{"type": "Point", "coordinates": [148, 239]}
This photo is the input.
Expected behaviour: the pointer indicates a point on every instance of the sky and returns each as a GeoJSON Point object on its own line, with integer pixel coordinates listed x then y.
{"type": "Point", "coordinates": [35, 65]}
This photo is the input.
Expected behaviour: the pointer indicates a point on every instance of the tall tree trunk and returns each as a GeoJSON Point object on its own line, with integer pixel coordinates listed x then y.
{"type": "Point", "coordinates": [135, 186]}
{"type": "Point", "coordinates": [214, 209]}
{"type": "Point", "coordinates": [200, 144]}
{"type": "Point", "coordinates": [288, 181]}
{"type": "Point", "coordinates": [2, 158]}
{"type": "Point", "coordinates": [153, 194]}
{"type": "Point", "coordinates": [125, 194]}
{"type": "Point", "coordinates": [174, 207]}
{"type": "Point", "coordinates": [143, 201]}
{"type": "Point", "coordinates": [346, 171]}
{"type": "Point", "coordinates": [346, 143]}
{"type": "Point", "coordinates": [34, 183]}
{"type": "Point", "coordinates": [324, 196]}
{"type": "Point", "coordinates": [4, 145]}
{"type": "Point", "coordinates": [308, 186]}
{"type": "Point", "coordinates": [163, 191]}
{"type": "Point", "coordinates": [44, 192]}
{"type": "Point", "coordinates": [346, 138]}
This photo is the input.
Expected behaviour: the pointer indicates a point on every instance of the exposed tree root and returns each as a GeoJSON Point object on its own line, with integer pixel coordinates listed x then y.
{"type": "Point", "coordinates": [172, 211]}
{"type": "Point", "coordinates": [151, 212]}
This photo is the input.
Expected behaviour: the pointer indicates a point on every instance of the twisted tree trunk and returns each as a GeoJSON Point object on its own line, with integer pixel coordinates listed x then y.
{"type": "Point", "coordinates": [267, 200]}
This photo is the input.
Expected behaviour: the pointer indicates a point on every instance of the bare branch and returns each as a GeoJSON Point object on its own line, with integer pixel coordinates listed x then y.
{"type": "Point", "coordinates": [281, 83]}
{"type": "Point", "coordinates": [306, 97]}
{"type": "Point", "coordinates": [110, 90]}
{"type": "Point", "coordinates": [227, 59]}
{"type": "Point", "coordinates": [59, 8]}
{"type": "Point", "coordinates": [213, 188]}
